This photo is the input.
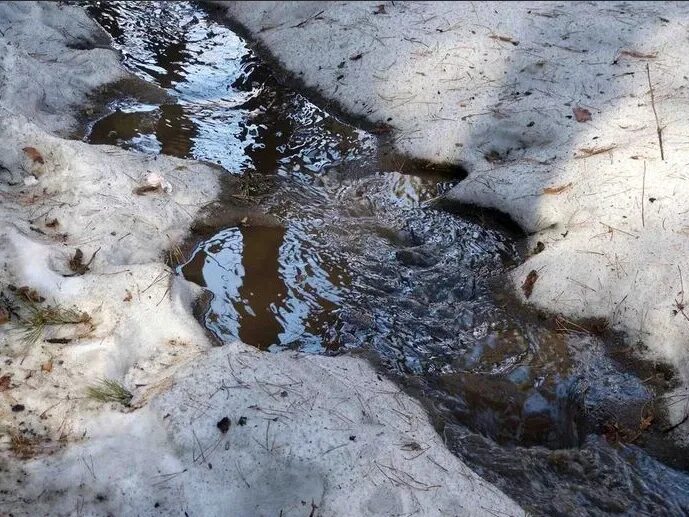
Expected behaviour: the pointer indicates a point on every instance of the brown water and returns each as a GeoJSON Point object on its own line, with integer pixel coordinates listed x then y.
{"type": "Point", "coordinates": [353, 255]}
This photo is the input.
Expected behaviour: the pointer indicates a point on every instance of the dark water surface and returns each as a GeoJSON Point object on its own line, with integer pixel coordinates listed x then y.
{"type": "Point", "coordinates": [359, 258]}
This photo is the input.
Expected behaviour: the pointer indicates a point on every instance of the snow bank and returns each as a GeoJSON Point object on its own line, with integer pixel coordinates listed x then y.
{"type": "Point", "coordinates": [322, 436]}
{"type": "Point", "coordinates": [51, 58]}
{"type": "Point", "coordinates": [555, 110]}
{"type": "Point", "coordinates": [301, 434]}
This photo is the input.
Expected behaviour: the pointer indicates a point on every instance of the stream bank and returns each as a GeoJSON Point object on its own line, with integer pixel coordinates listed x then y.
{"type": "Point", "coordinates": [352, 255]}
{"type": "Point", "coordinates": [202, 430]}
{"type": "Point", "coordinates": [562, 116]}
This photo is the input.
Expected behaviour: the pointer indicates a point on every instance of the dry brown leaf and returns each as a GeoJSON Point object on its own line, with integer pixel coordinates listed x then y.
{"type": "Point", "coordinates": [529, 282]}
{"type": "Point", "coordinates": [53, 223]}
{"type": "Point", "coordinates": [47, 367]}
{"type": "Point", "coordinates": [4, 315]}
{"type": "Point", "coordinates": [5, 382]}
{"type": "Point", "coordinates": [128, 296]}
{"type": "Point", "coordinates": [76, 263]}
{"type": "Point", "coordinates": [380, 9]}
{"type": "Point", "coordinates": [581, 114]}
{"type": "Point", "coordinates": [556, 190]}
{"type": "Point", "coordinates": [33, 154]}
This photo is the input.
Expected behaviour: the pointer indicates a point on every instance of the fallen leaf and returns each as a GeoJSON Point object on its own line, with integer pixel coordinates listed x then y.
{"type": "Point", "coordinates": [54, 223]}
{"type": "Point", "coordinates": [128, 296]}
{"type": "Point", "coordinates": [33, 154]}
{"type": "Point", "coordinates": [356, 57]}
{"type": "Point", "coordinates": [529, 282]}
{"type": "Point", "coordinates": [380, 9]}
{"type": "Point", "coordinates": [76, 263]}
{"type": "Point", "coordinates": [556, 190]}
{"type": "Point", "coordinates": [5, 382]}
{"type": "Point", "coordinates": [581, 114]}
{"type": "Point", "coordinates": [47, 367]}
{"type": "Point", "coordinates": [4, 315]}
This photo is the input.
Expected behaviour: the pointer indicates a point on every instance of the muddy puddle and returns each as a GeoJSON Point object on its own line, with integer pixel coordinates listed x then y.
{"type": "Point", "coordinates": [356, 255]}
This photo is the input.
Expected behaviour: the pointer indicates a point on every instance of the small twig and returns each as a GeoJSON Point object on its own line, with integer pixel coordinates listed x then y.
{"type": "Point", "coordinates": [202, 455]}
{"type": "Point", "coordinates": [335, 447]}
{"type": "Point", "coordinates": [436, 464]}
{"type": "Point", "coordinates": [302, 23]}
{"type": "Point", "coordinates": [241, 474]}
{"type": "Point", "coordinates": [655, 113]}
{"type": "Point", "coordinates": [643, 191]}
{"type": "Point", "coordinates": [679, 304]}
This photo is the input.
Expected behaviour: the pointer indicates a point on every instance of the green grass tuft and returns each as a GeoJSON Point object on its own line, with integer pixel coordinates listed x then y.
{"type": "Point", "coordinates": [109, 390]}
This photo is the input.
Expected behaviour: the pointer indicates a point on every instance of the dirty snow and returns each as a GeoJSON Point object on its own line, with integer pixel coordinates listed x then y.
{"type": "Point", "coordinates": [322, 435]}
{"type": "Point", "coordinates": [499, 88]}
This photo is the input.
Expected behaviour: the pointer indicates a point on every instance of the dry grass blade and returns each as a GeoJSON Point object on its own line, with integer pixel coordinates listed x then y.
{"type": "Point", "coordinates": [504, 39]}
{"type": "Point", "coordinates": [109, 390]}
{"type": "Point", "coordinates": [557, 190]}
{"type": "Point", "coordinates": [638, 55]}
{"type": "Point", "coordinates": [594, 326]}
{"type": "Point", "coordinates": [659, 130]}
{"type": "Point", "coordinates": [20, 445]}
{"type": "Point", "coordinates": [586, 152]}
{"type": "Point", "coordinates": [34, 326]}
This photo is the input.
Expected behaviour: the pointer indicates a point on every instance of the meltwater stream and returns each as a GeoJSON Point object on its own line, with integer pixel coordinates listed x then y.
{"type": "Point", "coordinates": [354, 255]}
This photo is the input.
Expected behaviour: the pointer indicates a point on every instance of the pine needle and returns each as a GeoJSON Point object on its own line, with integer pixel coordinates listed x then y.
{"type": "Point", "coordinates": [34, 326]}
{"type": "Point", "coordinates": [109, 390]}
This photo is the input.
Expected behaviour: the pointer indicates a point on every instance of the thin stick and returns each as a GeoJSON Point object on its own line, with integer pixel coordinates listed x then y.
{"type": "Point", "coordinates": [643, 196]}
{"type": "Point", "coordinates": [304, 22]}
{"type": "Point", "coordinates": [655, 113]}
